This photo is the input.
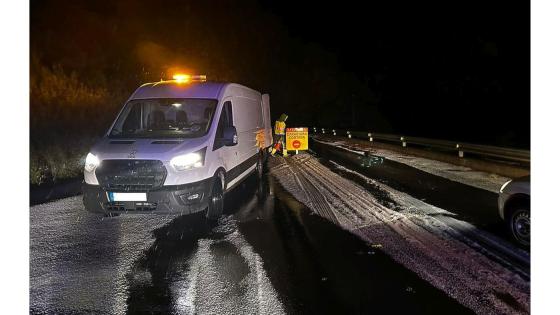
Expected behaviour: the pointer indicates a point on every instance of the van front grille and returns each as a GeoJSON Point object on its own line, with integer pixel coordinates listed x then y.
{"type": "Point", "coordinates": [131, 175]}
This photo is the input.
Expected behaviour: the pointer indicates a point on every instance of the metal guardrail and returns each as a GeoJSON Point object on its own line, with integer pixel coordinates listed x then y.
{"type": "Point", "coordinates": [461, 148]}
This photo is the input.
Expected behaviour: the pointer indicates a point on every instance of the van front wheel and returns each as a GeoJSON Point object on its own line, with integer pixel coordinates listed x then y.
{"type": "Point", "coordinates": [216, 202]}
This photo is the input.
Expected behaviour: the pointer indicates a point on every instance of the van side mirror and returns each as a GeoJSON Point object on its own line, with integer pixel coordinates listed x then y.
{"type": "Point", "coordinates": [230, 136]}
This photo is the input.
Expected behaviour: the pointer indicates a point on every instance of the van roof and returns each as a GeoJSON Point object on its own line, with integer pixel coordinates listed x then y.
{"type": "Point", "coordinates": [173, 89]}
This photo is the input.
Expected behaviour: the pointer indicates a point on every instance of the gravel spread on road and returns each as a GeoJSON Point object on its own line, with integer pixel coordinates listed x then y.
{"type": "Point", "coordinates": [441, 251]}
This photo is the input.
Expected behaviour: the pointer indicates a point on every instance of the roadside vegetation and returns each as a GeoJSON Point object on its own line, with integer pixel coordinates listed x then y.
{"type": "Point", "coordinates": [67, 116]}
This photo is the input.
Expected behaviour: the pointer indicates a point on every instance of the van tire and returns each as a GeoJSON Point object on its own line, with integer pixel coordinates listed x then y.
{"type": "Point", "coordinates": [216, 201]}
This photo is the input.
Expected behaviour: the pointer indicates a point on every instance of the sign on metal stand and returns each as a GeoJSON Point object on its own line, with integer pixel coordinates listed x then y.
{"type": "Point", "coordinates": [297, 139]}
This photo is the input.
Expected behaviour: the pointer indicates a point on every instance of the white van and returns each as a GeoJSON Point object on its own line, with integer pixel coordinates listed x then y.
{"type": "Point", "coordinates": [178, 146]}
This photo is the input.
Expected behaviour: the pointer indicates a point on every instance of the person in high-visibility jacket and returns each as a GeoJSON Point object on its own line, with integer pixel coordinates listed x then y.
{"type": "Point", "coordinates": [280, 135]}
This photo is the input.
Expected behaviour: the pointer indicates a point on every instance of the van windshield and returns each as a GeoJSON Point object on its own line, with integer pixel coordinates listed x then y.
{"type": "Point", "coordinates": [165, 118]}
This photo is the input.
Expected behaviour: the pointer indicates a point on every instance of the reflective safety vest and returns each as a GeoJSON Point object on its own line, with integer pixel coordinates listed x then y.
{"type": "Point", "coordinates": [279, 128]}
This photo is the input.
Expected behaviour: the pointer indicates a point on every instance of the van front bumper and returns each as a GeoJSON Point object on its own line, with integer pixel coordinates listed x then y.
{"type": "Point", "coordinates": [183, 199]}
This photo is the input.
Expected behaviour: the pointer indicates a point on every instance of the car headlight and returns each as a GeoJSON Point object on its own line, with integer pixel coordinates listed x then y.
{"type": "Point", "coordinates": [91, 162]}
{"type": "Point", "coordinates": [504, 186]}
{"type": "Point", "coordinates": [188, 161]}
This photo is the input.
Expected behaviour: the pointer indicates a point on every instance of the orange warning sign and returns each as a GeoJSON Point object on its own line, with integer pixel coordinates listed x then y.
{"type": "Point", "coordinates": [296, 139]}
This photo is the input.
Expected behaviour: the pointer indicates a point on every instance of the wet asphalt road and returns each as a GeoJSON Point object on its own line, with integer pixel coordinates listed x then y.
{"type": "Point", "coordinates": [470, 204]}
{"type": "Point", "coordinates": [267, 254]}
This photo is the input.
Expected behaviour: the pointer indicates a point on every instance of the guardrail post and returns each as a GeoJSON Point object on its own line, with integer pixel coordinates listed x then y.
{"type": "Point", "coordinates": [403, 140]}
{"type": "Point", "coordinates": [323, 130]}
{"type": "Point", "coordinates": [334, 132]}
{"type": "Point", "coordinates": [461, 153]}
{"type": "Point", "coordinates": [314, 130]}
{"type": "Point", "coordinates": [370, 137]}
{"type": "Point", "coordinates": [349, 135]}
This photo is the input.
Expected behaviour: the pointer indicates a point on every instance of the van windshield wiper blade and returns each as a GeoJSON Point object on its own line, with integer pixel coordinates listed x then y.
{"type": "Point", "coordinates": [163, 129]}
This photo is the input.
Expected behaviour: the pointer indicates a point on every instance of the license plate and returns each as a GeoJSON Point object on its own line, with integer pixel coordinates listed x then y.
{"type": "Point", "coordinates": [116, 196]}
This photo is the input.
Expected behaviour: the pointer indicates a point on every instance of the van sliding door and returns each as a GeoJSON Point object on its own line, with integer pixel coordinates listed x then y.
{"type": "Point", "coordinates": [247, 118]}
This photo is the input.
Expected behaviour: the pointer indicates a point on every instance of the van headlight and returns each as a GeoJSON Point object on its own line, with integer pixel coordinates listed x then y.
{"type": "Point", "coordinates": [188, 161]}
{"type": "Point", "coordinates": [91, 162]}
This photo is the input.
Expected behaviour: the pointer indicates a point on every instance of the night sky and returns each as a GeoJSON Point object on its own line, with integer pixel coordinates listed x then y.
{"type": "Point", "coordinates": [456, 70]}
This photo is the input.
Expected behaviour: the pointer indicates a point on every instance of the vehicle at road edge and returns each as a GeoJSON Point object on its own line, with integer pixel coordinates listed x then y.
{"type": "Point", "coordinates": [178, 146]}
{"type": "Point", "coordinates": [515, 208]}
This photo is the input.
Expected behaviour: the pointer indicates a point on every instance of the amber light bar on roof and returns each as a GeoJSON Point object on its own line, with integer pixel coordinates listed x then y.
{"type": "Point", "coordinates": [186, 78]}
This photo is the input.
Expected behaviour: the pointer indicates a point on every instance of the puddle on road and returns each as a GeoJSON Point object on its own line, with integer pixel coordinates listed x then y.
{"type": "Point", "coordinates": [313, 265]}
{"type": "Point", "coordinates": [196, 266]}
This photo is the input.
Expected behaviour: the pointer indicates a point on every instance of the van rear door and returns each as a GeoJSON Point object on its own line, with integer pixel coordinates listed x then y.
{"type": "Point", "coordinates": [265, 103]}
